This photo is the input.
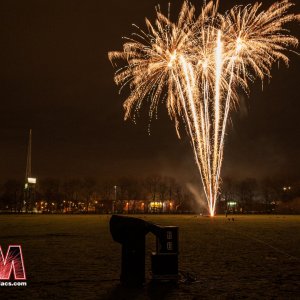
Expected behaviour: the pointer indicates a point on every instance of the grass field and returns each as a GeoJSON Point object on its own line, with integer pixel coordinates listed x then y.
{"type": "Point", "coordinates": [74, 257]}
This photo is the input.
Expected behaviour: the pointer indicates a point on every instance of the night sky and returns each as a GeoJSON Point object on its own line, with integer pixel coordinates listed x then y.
{"type": "Point", "coordinates": [55, 78]}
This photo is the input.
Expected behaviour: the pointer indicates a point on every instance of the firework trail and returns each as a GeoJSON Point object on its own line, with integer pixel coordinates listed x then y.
{"type": "Point", "coordinates": [197, 64]}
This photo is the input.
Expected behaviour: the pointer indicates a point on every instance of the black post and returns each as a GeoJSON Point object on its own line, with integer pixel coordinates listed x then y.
{"type": "Point", "coordinates": [130, 233]}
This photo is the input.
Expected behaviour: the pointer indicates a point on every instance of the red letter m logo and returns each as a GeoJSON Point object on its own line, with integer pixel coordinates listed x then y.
{"type": "Point", "coordinates": [13, 262]}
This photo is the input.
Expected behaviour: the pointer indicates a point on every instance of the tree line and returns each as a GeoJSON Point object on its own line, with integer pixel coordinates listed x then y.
{"type": "Point", "coordinates": [247, 195]}
{"type": "Point", "coordinates": [87, 192]}
{"type": "Point", "coordinates": [266, 195]}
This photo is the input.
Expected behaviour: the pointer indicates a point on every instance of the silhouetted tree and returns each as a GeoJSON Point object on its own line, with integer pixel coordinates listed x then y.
{"type": "Point", "coordinates": [246, 192]}
{"type": "Point", "coordinates": [50, 189]}
{"type": "Point", "coordinates": [11, 198]}
{"type": "Point", "coordinates": [88, 187]}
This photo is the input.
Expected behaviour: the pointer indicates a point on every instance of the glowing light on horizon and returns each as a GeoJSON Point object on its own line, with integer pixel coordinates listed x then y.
{"type": "Point", "coordinates": [197, 64]}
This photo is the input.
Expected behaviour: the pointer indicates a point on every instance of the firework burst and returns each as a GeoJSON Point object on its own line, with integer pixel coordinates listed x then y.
{"type": "Point", "coordinates": [196, 65]}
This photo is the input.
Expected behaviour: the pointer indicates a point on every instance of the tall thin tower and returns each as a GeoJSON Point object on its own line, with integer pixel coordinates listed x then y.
{"type": "Point", "coordinates": [28, 164]}
{"type": "Point", "coordinates": [29, 189]}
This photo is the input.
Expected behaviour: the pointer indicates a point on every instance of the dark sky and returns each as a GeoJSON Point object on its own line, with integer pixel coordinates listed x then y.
{"type": "Point", "coordinates": [56, 79]}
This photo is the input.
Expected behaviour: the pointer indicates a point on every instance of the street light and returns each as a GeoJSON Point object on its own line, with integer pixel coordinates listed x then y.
{"type": "Point", "coordinates": [113, 205]}
{"type": "Point", "coordinates": [115, 187]}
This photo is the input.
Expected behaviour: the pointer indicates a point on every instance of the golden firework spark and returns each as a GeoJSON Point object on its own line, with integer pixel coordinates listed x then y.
{"type": "Point", "coordinates": [197, 64]}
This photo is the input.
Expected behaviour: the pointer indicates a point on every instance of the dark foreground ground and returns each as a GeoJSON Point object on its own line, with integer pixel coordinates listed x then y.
{"type": "Point", "coordinates": [74, 257]}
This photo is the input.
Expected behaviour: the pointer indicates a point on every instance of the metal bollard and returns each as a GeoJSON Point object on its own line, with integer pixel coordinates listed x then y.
{"type": "Point", "coordinates": [165, 260]}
